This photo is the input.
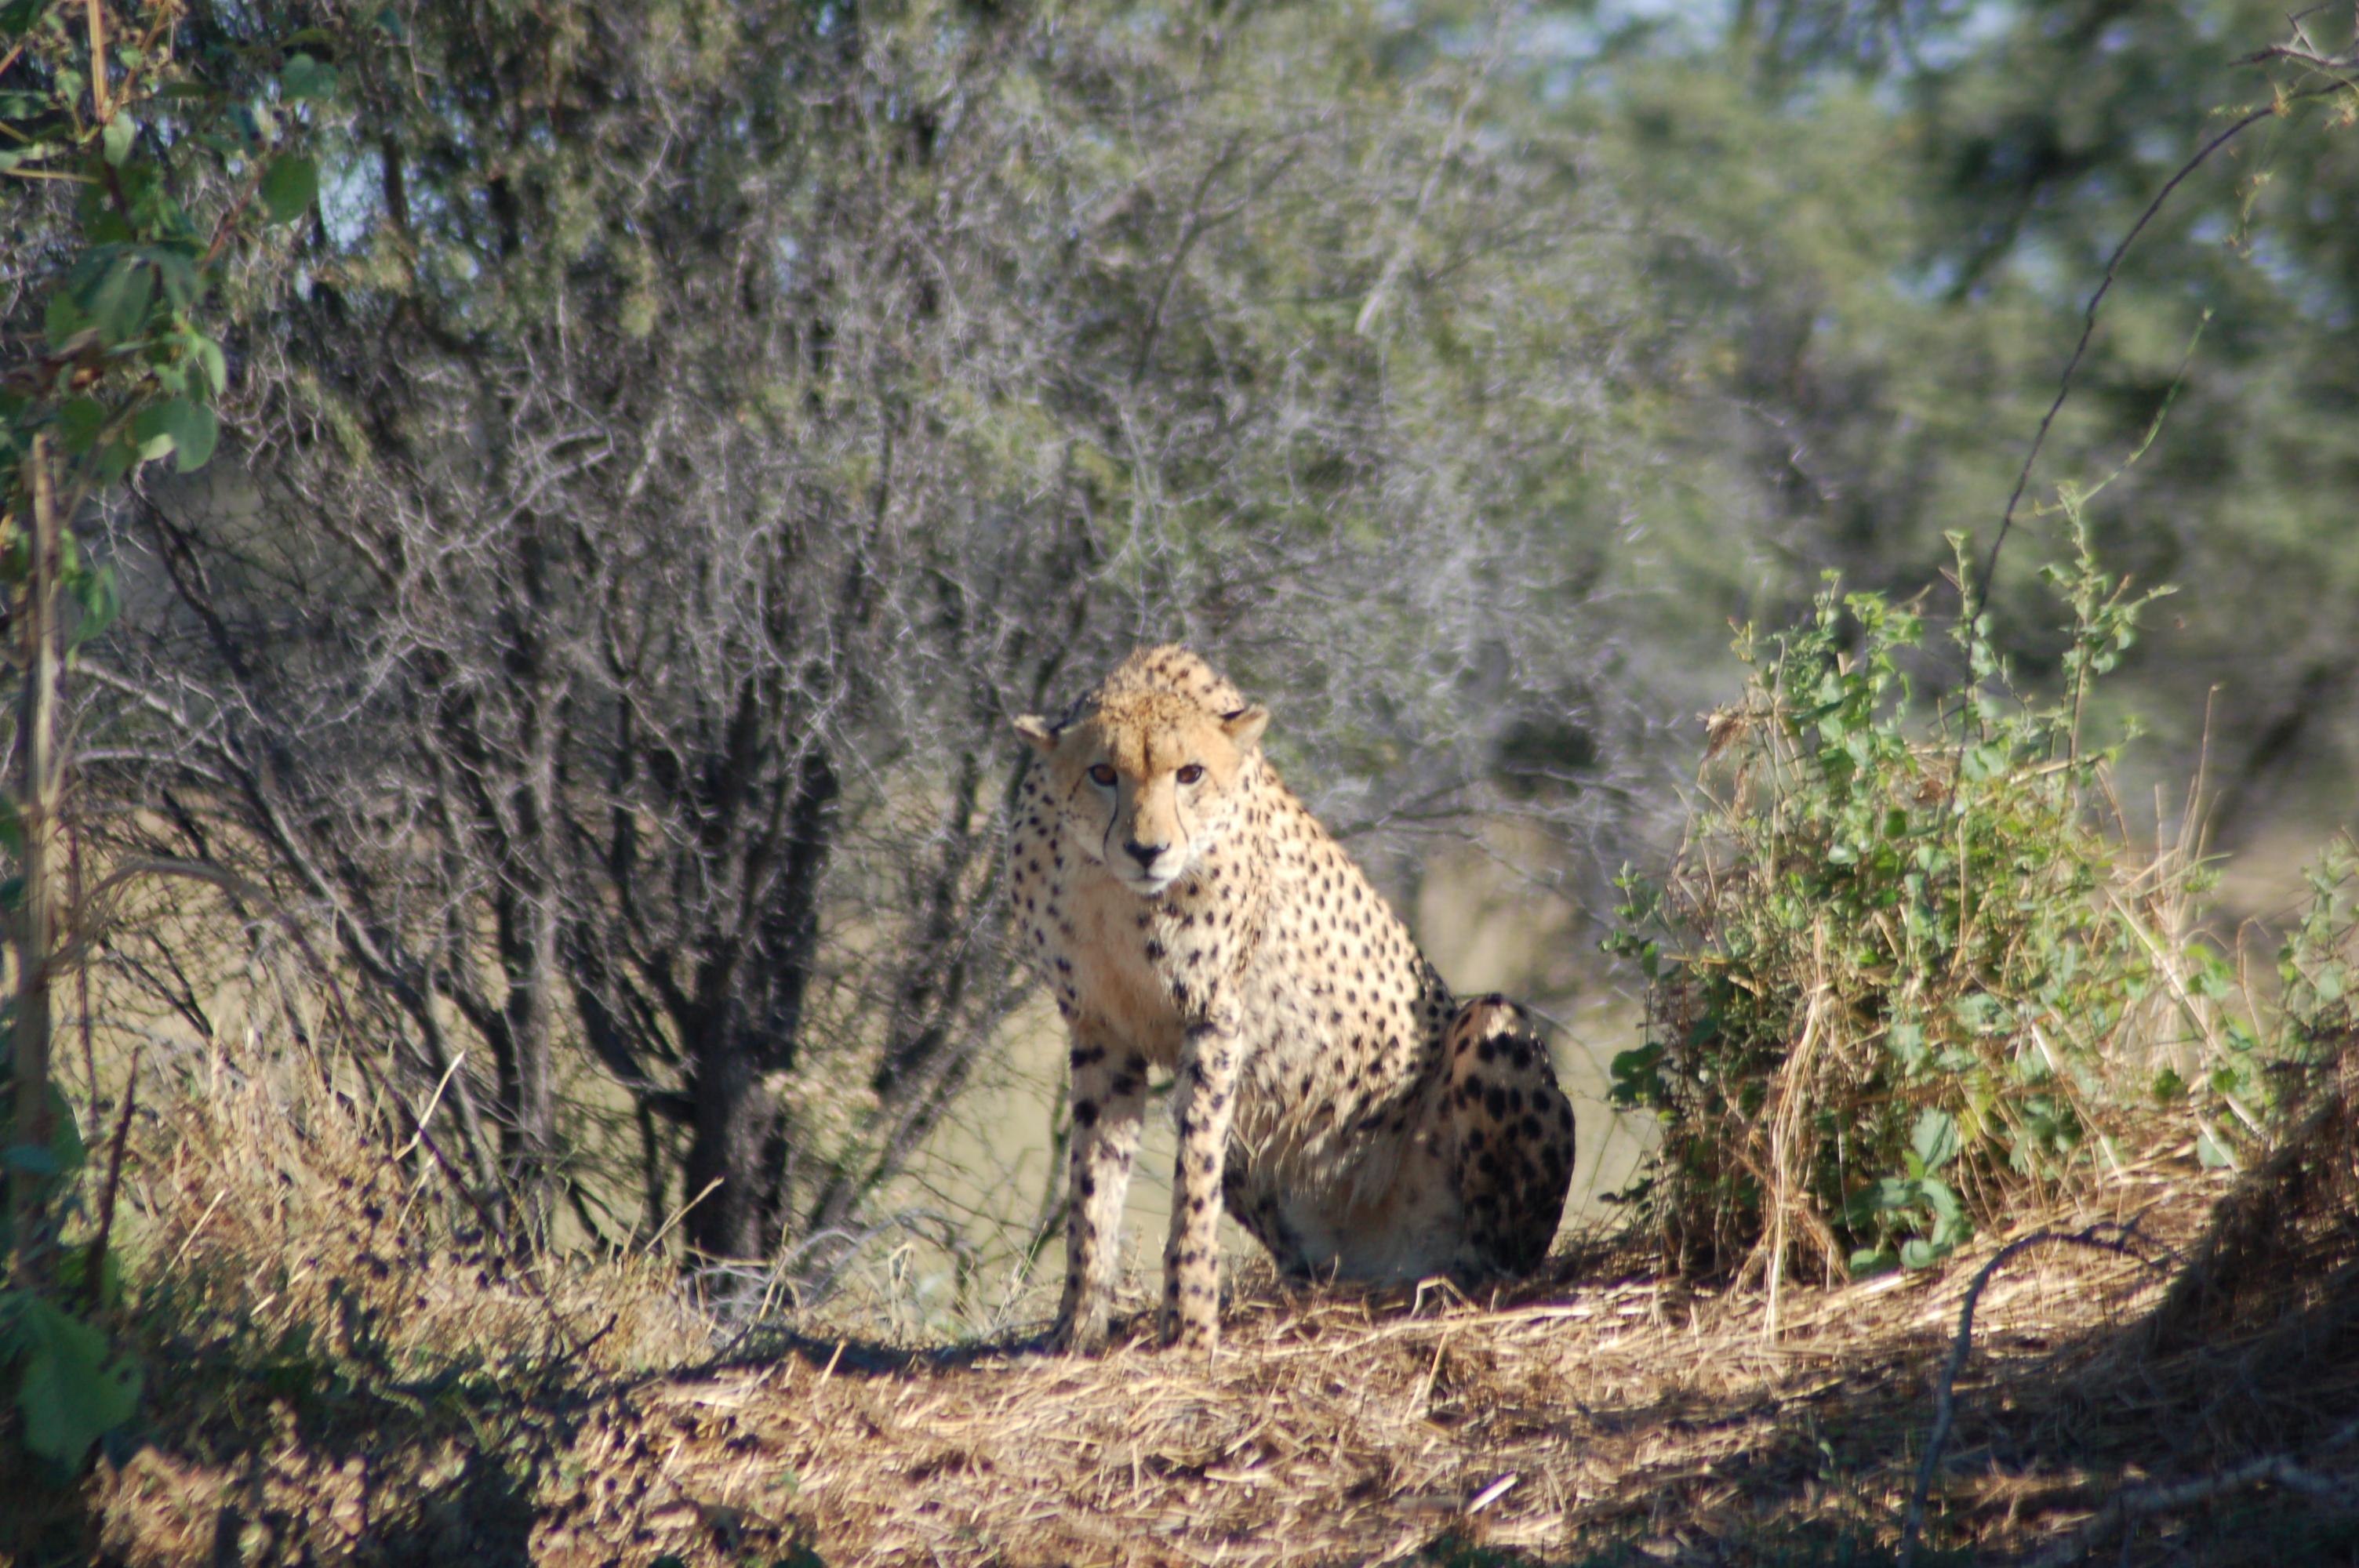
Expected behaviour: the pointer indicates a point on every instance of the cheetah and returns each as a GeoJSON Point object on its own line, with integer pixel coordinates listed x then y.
{"type": "Point", "coordinates": [1189, 913]}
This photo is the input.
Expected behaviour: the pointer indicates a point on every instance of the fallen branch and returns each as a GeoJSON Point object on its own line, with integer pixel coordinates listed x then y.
{"type": "Point", "coordinates": [2274, 1469]}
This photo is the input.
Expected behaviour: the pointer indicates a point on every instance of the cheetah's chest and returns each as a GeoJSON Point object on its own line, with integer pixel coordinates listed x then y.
{"type": "Point", "coordinates": [1145, 969]}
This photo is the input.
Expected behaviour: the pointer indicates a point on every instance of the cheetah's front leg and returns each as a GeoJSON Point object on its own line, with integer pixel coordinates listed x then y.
{"type": "Point", "coordinates": [1204, 1103]}
{"type": "Point", "coordinates": [1109, 1095]}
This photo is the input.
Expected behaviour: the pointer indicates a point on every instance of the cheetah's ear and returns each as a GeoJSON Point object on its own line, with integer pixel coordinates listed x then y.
{"type": "Point", "coordinates": [1039, 732]}
{"type": "Point", "coordinates": [1245, 725]}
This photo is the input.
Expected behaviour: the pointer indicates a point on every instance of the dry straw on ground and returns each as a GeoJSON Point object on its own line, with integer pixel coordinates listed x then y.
{"type": "Point", "coordinates": [341, 1368]}
{"type": "Point", "coordinates": [339, 1372]}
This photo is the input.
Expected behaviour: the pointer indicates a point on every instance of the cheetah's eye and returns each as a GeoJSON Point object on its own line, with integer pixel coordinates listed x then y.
{"type": "Point", "coordinates": [1190, 774]}
{"type": "Point", "coordinates": [1104, 775]}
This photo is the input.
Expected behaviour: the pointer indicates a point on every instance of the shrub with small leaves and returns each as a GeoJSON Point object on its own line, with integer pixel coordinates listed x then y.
{"type": "Point", "coordinates": [1899, 968]}
{"type": "Point", "coordinates": [2318, 969]}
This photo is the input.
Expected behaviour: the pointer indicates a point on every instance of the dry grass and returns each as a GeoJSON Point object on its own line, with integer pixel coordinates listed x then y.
{"type": "Point", "coordinates": [339, 1371]}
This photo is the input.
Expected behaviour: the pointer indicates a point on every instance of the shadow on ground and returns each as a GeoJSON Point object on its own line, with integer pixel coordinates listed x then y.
{"type": "Point", "coordinates": [2112, 1409]}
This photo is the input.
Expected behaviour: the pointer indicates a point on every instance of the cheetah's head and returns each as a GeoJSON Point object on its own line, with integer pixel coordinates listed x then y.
{"type": "Point", "coordinates": [1150, 779]}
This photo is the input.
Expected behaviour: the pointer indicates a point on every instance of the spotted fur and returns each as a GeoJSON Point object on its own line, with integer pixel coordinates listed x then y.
{"type": "Point", "coordinates": [1189, 914]}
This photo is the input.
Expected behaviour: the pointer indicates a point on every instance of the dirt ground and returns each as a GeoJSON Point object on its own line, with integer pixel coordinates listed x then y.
{"type": "Point", "coordinates": [1598, 1415]}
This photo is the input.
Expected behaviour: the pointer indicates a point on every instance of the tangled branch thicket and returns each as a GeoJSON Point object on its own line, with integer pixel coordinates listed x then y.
{"type": "Point", "coordinates": [608, 641]}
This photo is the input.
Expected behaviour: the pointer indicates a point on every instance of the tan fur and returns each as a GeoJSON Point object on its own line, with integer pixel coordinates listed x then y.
{"type": "Point", "coordinates": [1189, 914]}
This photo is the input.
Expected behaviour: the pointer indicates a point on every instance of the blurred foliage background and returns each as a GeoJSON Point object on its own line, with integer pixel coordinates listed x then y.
{"type": "Point", "coordinates": [1870, 234]}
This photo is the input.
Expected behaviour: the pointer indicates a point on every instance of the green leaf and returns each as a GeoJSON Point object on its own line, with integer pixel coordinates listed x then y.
{"type": "Point", "coordinates": [1934, 1139]}
{"type": "Point", "coordinates": [68, 1393]}
{"type": "Point", "coordinates": [188, 426]}
{"type": "Point", "coordinates": [290, 186]}
{"type": "Point", "coordinates": [153, 431]}
{"type": "Point", "coordinates": [32, 1158]}
{"type": "Point", "coordinates": [1885, 1194]}
{"type": "Point", "coordinates": [66, 1150]}
{"type": "Point", "coordinates": [79, 419]}
{"type": "Point", "coordinates": [114, 141]}
{"type": "Point", "coordinates": [113, 458]}
{"type": "Point", "coordinates": [115, 299]}
{"type": "Point", "coordinates": [209, 358]}
{"type": "Point", "coordinates": [1869, 1262]}
{"type": "Point", "coordinates": [1978, 1013]}
{"type": "Point", "coordinates": [1637, 1081]}
{"type": "Point", "coordinates": [194, 433]}
{"type": "Point", "coordinates": [64, 322]}
{"type": "Point", "coordinates": [73, 1274]}
{"type": "Point", "coordinates": [23, 153]}
{"type": "Point", "coordinates": [303, 77]}
{"type": "Point", "coordinates": [1981, 763]}
{"type": "Point", "coordinates": [101, 603]}
{"type": "Point", "coordinates": [178, 273]}
{"type": "Point", "coordinates": [107, 226]}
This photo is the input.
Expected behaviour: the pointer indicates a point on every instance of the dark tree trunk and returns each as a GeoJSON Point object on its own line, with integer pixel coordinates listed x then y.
{"type": "Point", "coordinates": [735, 1119]}
{"type": "Point", "coordinates": [739, 1137]}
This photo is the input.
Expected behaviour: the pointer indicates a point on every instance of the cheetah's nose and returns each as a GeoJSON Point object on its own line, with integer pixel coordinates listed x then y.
{"type": "Point", "coordinates": [1145, 854]}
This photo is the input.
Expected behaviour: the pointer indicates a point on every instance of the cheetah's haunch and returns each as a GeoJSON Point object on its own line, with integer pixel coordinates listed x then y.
{"type": "Point", "coordinates": [1189, 913]}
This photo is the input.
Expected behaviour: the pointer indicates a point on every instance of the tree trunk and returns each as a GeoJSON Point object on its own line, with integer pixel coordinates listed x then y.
{"type": "Point", "coordinates": [734, 1120]}
{"type": "Point", "coordinates": [36, 803]}
{"type": "Point", "coordinates": [527, 919]}
{"type": "Point", "coordinates": [527, 935]}
{"type": "Point", "coordinates": [739, 1139]}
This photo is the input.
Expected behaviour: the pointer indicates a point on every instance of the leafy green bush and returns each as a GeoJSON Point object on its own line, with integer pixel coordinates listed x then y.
{"type": "Point", "coordinates": [1901, 968]}
{"type": "Point", "coordinates": [64, 1384]}
{"type": "Point", "coordinates": [2316, 1034]}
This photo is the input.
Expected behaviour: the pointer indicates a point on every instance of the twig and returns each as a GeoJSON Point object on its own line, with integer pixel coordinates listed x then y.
{"type": "Point", "coordinates": [679, 1214]}
{"type": "Point", "coordinates": [96, 12]}
{"type": "Point", "coordinates": [81, 970]}
{"type": "Point", "coordinates": [2080, 349]}
{"type": "Point", "coordinates": [2276, 106]}
{"type": "Point", "coordinates": [94, 1270]}
{"type": "Point", "coordinates": [432, 1101]}
{"type": "Point", "coordinates": [1944, 1393]}
{"type": "Point", "coordinates": [2277, 1469]}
